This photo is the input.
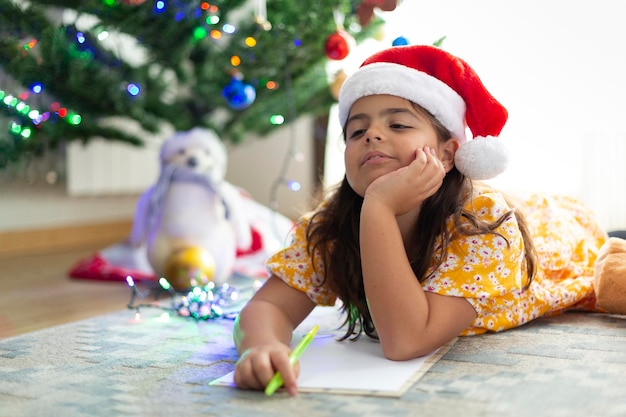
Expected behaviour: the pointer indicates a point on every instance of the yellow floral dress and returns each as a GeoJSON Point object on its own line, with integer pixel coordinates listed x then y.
{"type": "Point", "coordinates": [485, 270]}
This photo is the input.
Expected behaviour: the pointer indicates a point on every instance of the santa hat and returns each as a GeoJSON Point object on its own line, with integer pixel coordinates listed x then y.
{"type": "Point", "coordinates": [449, 89]}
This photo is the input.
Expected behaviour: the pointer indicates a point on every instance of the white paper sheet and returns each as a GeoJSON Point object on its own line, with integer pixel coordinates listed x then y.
{"type": "Point", "coordinates": [354, 367]}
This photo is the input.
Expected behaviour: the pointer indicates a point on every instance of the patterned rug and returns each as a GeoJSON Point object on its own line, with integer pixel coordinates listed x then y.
{"type": "Point", "coordinates": [115, 365]}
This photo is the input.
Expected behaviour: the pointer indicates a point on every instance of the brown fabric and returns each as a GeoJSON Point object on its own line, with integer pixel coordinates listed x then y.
{"type": "Point", "coordinates": [610, 276]}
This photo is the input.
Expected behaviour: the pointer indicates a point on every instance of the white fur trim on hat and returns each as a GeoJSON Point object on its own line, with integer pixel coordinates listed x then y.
{"type": "Point", "coordinates": [482, 158]}
{"type": "Point", "coordinates": [398, 80]}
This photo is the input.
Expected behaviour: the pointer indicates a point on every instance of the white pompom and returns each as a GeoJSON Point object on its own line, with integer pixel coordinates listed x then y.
{"type": "Point", "coordinates": [482, 158]}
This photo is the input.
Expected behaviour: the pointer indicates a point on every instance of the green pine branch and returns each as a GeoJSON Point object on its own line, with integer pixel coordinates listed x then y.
{"type": "Point", "coordinates": [181, 77]}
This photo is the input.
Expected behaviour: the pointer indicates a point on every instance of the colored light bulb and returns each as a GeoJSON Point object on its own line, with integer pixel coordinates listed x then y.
{"type": "Point", "coordinates": [277, 119]}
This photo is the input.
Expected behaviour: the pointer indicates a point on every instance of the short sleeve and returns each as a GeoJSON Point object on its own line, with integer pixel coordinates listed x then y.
{"type": "Point", "coordinates": [294, 266]}
{"type": "Point", "coordinates": [485, 269]}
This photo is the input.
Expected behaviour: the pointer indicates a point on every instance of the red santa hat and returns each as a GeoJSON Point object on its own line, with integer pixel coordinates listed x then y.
{"type": "Point", "coordinates": [449, 89]}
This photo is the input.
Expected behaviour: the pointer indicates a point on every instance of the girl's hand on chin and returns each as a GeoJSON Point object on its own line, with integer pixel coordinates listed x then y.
{"type": "Point", "coordinates": [406, 188]}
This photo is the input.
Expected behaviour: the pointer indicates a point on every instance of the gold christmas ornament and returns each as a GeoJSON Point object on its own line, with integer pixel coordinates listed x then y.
{"type": "Point", "coordinates": [188, 267]}
{"type": "Point", "coordinates": [335, 86]}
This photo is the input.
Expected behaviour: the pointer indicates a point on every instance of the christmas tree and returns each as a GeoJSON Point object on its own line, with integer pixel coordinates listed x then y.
{"type": "Point", "coordinates": [71, 70]}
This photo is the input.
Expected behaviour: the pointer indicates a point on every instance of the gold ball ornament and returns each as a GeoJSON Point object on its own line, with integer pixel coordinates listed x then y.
{"type": "Point", "coordinates": [338, 81]}
{"type": "Point", "coordinates": [189, 267]}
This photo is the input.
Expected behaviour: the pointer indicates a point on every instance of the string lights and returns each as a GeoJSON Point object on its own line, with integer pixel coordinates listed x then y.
{"type": "Point", "coordinates": [201, 302]}
{"type": "Point", "coordinates": [292, 151]}
{"type": "Point", "coordinates": [16, 106]}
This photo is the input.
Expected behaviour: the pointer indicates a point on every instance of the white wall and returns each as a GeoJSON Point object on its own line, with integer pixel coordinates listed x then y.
{"type": "Point", "coordinates": [256, 165]}
{"type": "Point", "coordinates": [558, 66]}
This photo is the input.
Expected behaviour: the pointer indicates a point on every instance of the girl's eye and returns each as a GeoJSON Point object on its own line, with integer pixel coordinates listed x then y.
{"type": "Point", "coordinates": [357, 133]}
{"type": "Point", "coordinates": [398, 126]}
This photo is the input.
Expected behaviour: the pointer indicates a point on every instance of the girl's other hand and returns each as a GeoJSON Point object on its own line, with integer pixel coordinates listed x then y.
{"type": "Point", "coordinates": [257, 366]}
{"type": "Point", "coordinates": [406, 188]}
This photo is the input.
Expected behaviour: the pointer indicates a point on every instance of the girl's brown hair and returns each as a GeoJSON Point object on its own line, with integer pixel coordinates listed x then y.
{"type": "Point", "coordinates": [333, 235]}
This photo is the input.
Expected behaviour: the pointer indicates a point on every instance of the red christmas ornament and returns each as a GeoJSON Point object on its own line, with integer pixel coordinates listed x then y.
{"type": "Point", "coordinates": [338, 45]}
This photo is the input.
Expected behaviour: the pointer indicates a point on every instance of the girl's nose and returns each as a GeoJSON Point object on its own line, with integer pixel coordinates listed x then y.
{"type": "Point", "coordinates": [370, 138]}
{"type": "Point", "coordinates": [373, 134]}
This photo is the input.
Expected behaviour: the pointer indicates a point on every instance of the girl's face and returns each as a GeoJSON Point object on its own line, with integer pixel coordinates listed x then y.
{"type": "Point", "coordinates": [383, 132]}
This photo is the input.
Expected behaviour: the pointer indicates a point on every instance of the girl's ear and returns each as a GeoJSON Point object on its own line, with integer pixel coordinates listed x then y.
{"type": "Point", "coordinates": [448, 150]}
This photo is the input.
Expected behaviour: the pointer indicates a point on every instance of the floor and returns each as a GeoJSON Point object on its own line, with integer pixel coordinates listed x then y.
{"type": "Point", "coordinates": [36, 293]}
{"type": "Point", "coordinates": [117, 365]}
{"type": "Point", "coordinates": [35, 290]}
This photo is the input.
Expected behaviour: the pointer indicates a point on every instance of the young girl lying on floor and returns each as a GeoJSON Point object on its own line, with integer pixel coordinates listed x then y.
{"type": "Point", "coordinates": [415, 249]}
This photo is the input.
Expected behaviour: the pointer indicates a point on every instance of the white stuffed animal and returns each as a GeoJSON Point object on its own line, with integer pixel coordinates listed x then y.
{"type": "Point", "coordinates": [192, 206]}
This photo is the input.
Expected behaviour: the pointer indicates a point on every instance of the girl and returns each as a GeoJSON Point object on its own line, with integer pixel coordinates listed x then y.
{"type": "Point", "coordinates": [414, 249]}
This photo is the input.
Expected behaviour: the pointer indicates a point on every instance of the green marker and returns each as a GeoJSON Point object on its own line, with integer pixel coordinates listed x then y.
{"type": "Point", "coordinates": [277, 379]}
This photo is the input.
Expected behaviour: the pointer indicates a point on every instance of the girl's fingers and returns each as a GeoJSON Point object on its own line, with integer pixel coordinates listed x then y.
{"type": "Point", "coordinates": [290, 378]}
{"type": "Point", "coordinates": [244, 375]}
{"type": "Point", "coordinates": [254, 371]}
{"type": "Point", "coordinates": [263, 371]}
